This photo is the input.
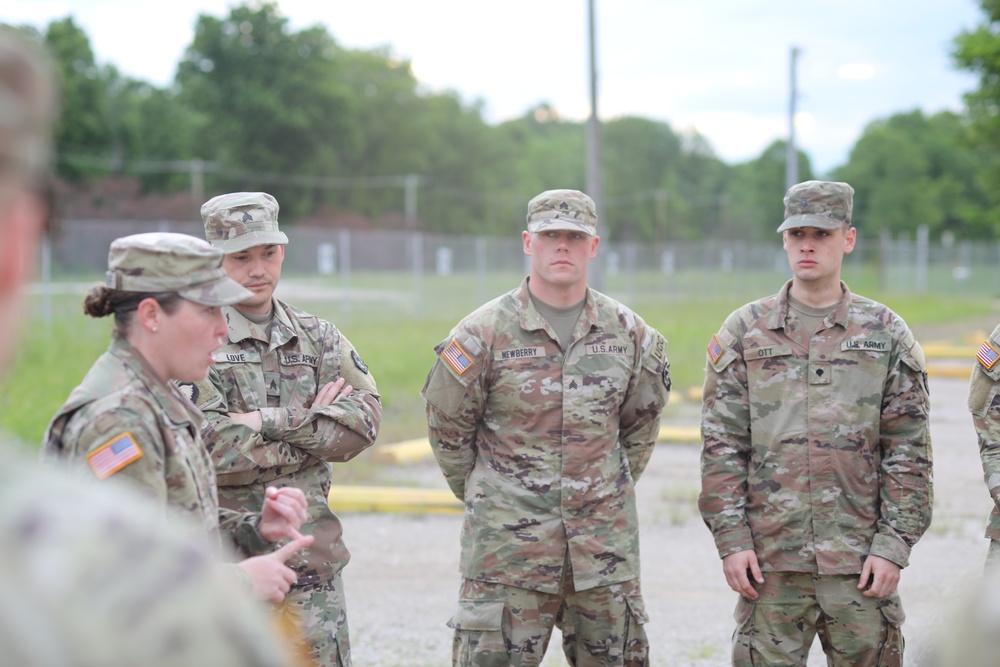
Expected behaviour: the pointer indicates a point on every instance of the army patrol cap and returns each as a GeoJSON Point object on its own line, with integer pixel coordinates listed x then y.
{"type": "Point", "coordinates": [241, 220]}
{"type": "Point", "coordinates": [820, 204]}
{"type": "Point", "coordinates": [562, 209]}
{"type": "Point", "coordinates": [166, 262]}
{"type": "Point", "coordinates": [28, 105]}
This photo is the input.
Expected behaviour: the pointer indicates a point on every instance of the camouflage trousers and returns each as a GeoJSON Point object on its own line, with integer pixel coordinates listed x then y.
{"type": "Point", "coordinates": [778, 628]}
{"type": "Point", "coordinates": [320, 613]}
{"type": "Point", "coordinates": [507, 626]}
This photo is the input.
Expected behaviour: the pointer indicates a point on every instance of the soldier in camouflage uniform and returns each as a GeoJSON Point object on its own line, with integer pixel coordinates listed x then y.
{"type": "Point", "coordinates": [816, 465]}
{"type": "Point", "coordinates": [287, 396]}
{"type": "Point", "coordinates": [125, 421]}
{"type": "Point", "coordinates": [543, 408]}
{"type": "Point", "coordinates": [90, 574]}
{"type": "Point", "coordinates": [984, 403]}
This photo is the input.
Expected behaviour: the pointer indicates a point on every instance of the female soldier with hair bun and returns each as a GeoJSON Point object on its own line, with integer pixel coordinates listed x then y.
{"type": "Point", "coordinates": [127, 421]}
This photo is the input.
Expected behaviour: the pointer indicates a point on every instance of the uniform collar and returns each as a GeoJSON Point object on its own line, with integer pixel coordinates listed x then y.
{"type": "Point", "coordinates": [532, 320]}
{"type": "Point", "coordinates": [178, 409]}
{"type": "Point", "coordinates": [838, 316]}
{"type": "Point", "coordinates": [241, 329]}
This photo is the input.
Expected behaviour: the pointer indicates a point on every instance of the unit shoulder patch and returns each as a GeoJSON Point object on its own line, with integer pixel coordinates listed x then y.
{"type": "Point", "coordinates": [114, 455]}
{"type": "Point", "coordinates": [356, 358]}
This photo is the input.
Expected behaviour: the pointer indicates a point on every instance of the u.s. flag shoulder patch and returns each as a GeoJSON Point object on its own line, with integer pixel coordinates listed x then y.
{"type": "Point", "coordinates": [114, 455]}
{"type": "Point", "coordinates": [456, 357]}
{"type": "Point", "coordinates": [715, 349]}
{"type": "Point", "coordinates": [987, 355]}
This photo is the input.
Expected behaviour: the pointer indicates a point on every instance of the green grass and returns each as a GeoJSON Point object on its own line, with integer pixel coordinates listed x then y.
{"type": "Point", "coordinates": [397, 345]}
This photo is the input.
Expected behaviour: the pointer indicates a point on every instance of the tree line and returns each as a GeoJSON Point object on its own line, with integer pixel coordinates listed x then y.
{"type": "Point", "coordinates": [334, 133]}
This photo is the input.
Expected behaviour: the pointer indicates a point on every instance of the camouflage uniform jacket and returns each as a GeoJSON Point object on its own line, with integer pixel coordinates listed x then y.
{"type": "Point", "coordinates": [121, 395]}
{"type": "Point", "coordinates": [816, 449]}
{"type": "Point", "coordinates": [93, 575]}
{"type": "Point", "coordinates": [544, 446]}
{"type": "Point", "coordinates": [280, 375]}
{"type": "Point", "coordinates": [984, 403]}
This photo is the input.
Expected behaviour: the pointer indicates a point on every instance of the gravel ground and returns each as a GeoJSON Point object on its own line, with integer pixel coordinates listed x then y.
{"type": "Point", "coordinates": [403, 580]}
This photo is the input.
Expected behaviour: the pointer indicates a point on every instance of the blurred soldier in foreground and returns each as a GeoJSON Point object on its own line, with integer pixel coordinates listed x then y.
{"type": "Point", "coordinates": [816, 465]}
{"type": "Point", "coordinates": [543, 408]}
{"type": "Point", "coordinates": [91, 575]}
{"type": "Point", "coordinates": [288, 395]}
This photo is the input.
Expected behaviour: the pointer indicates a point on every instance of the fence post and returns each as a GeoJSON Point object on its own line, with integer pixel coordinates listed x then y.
{"type": "Point", "coordinates": [922, 258]}
{"type": "Point", "coordinates": [344, 241]}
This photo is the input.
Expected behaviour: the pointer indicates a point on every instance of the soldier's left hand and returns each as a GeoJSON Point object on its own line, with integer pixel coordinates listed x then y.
{"type": "Point", "coordinates": [879, 577]}
{"type": "Point", "coordinates": [284, 512]}
{"type": "Point", "coordinates": [331, 392]}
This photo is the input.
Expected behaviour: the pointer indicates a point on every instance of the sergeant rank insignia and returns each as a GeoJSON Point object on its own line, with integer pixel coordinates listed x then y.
{"type": "Point", "coordinates": [987, 355]}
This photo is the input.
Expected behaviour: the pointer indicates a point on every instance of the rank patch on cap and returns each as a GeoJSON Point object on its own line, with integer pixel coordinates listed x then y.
{"type": "Point", "coordinates": [456, 357]}
{"type": "Point", "coordinates": [114, 455]}
{"type": "Point", "coordinates": [987, 355]}
{"type": "Point", "coordinates": [715, 349]}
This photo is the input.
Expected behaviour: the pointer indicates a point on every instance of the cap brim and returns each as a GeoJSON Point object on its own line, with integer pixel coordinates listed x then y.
{"type": "Point", "coordinates": [219, 292]}
{"type": "Point", "coordinates": [250, 240]}
{"type": "Point", "coordinates": [817, 221]}
{"type": "Point", "coordinates": [558, 224]}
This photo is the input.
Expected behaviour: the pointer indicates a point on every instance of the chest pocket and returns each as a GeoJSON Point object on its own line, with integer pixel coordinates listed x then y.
{"type": "Point", "coordinates": [296, 381]}
{"type": "Point", "coordinates": [242, 378]}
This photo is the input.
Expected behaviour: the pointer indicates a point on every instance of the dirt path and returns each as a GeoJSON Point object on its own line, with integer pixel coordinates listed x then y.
{"type": "Point", "coordinates": [403, 579]}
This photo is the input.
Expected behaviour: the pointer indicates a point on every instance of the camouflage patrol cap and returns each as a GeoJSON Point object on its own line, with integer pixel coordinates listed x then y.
{"type": "Point", "coordinates": [821, 204]}
{"type": "Point", "coordinates": [241, 220]}
{"type": "Point", "coordinates": [166, 262]}
{"type": "Point", "coordinates": [28, 105]}
{"type": "Point", "coordinates": [562, 209]}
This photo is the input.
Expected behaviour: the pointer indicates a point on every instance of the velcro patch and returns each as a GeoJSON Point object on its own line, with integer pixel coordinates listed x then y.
{"type": "Point", "coordinates": [456, 357]}
{"type": "Point", "coordinates": [987, 355]}
{"type": "Point", "coordinates": [114, 455]}
{"type": "Point", "coordinates": [715, 349]}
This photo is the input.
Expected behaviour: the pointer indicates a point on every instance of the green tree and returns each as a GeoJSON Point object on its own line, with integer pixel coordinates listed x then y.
{"type": "Point", "coordinates": [271, 105]}
{"type": "Point", "coordinates": [756, 190]}
{"type": "Point", "coordinates": [83, 137]}
{"type": "Point", "coordinates": [910, 170]}
{"type": "Point", "coordinates": [978, 50]}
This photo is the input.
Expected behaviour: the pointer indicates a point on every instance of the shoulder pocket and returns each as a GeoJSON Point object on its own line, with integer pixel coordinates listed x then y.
{"type": "Point", "coordinates": [720, 350]}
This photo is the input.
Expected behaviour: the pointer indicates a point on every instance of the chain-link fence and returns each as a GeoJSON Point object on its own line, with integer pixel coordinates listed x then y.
{"type": "Point", "coordinates": [396, 274]}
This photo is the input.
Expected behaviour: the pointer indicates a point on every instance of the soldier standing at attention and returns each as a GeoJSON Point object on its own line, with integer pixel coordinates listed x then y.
{"type": "Point", "coordinates": [287, 396]}
{"type": "Point", "coordinates": [816, 464]}
{"type": "Point", "coordinates": [543, 408]}
{"type": "Point", "coordinates": [91, 574]}
{"type": "Point", "coordinates": [984, 403]}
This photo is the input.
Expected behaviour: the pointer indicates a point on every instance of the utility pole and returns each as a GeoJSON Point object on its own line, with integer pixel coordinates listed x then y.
{"type": "Point", "coordinates": [792, 154]}
{"type": "Point", "coordinates": [594, 145]}
{"type": "Point", "coordinates": [410, 184]}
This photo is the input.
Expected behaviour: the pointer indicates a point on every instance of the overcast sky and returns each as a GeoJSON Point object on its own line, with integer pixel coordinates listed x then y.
{"type": "Point", "coordinates": [718, 66]}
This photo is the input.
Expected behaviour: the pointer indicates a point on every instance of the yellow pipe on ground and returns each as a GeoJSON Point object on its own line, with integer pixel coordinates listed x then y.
{"type": "Point", "coordinates": [393, 499]}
